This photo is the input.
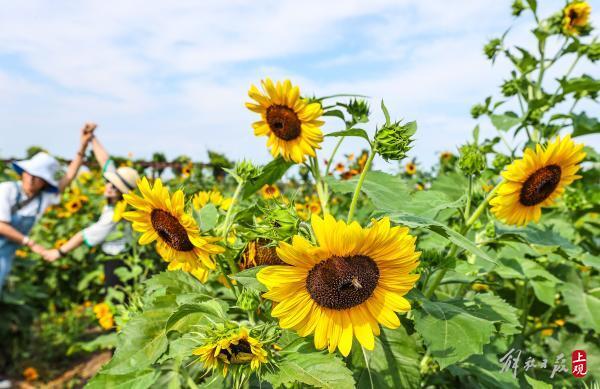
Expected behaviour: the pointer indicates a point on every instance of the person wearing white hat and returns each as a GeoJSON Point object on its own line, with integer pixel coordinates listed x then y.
{"type": "Point", "coordinates": [23, 202]}
{"type": "Point", "coordinates": [108, 232]}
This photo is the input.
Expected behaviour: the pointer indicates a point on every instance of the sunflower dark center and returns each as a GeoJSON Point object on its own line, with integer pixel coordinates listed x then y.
{"type": "Point", "coordinates": [284, 122]}
{"type": "Point", "coordinates": [170, 230]}
{"type": "Point", "coordinates": [540, 185]}
{"type": "Point", "coordinates": [342, 282]}
{"type": "Point", "coordinates": [237, 353]}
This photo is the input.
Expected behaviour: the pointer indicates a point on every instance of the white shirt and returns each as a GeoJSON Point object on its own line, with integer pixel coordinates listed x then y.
{"type": "Point", "coordinates": [101, 231]}
{"type": "Point", "coordinates": [8, 199]}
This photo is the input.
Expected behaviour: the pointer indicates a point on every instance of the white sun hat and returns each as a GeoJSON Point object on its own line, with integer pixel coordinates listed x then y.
{"type": "Point", "coordinates": [41, 165]}
{"type": "Point", "coordinates": [124, 178]}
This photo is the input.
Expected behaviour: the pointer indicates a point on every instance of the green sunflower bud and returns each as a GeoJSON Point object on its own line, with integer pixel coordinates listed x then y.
{"type": "Point", "coordinates": [510, 88]}
{"type": "Point", "coordinates": [245, 170]}
{"type": "Point", "coordinates": [248, 300]}
{"type": "Point", "coordinates": [359, 110]}
{"type": "Point", "coordinates": [393, 141]}
{"type": "Point", "coordinates": [492, 48]}
{"type": "Point", "coordinates": [477, 110]}
{"type": "Point", "coordinates": [490, 229]}
{"type": "Point", "coordinates": [517, 7]}
{"type": "Point", "coordinates": [500, 161]}
{"type": "Point", "coordinates": [471, 160]}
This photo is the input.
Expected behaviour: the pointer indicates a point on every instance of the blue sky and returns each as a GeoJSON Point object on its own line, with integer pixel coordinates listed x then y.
{"type": "Point", "coordinates": [173, 76]}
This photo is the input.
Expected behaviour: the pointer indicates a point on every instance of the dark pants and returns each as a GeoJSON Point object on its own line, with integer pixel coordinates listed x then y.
{"type": "Point", "coordinates": [110, 278]}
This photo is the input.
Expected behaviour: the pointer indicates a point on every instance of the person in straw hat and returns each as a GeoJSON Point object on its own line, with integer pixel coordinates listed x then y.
{"type": "Point", "coordinates": [23, 202]}
{"type": "Point", "coordinates": [108, 232]}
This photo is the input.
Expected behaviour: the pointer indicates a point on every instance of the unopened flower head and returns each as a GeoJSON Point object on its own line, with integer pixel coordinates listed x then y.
{"type": "Point", "coordinates": [472, 160]}
{"type": "Point", "coordinates": [393, 141]}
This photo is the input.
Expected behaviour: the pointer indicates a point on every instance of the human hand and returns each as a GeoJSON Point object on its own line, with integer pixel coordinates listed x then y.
{"type": "Point", "coordinates": [51, 255]}
{"type": "Point", "coordinates": [87, 133]}
{"type": "Point", "coordinates": [38, 249]}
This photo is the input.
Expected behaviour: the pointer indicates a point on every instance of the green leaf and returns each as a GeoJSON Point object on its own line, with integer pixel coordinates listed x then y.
{"type": "Point", "coordinates": [141, 342]}
{"type": "Point", "coordinates": [451, 331]}
{"type": "Point", "coordinates": [585, 307]}
{"type": "Point", "coordinates": [272, 172]}
{"type": "Point", "coordinates": [335, 112]}
{"type": "Point", "coordinates": [102, 342]}
{"type": "Point", "coordinates": [248, 278]}
{"type": "Point", "coordinates": [532, 5]}
{"type": "Point", "coordinates": [506, 121]}
{"type": "Point", "coordinates": [208, 216]}
{"type": "Point", "coordinates": [190, 315]}
{"type": "Point", "coordinates": [173, 283]}
{"type": "Point", "coordinates": [136, 380]}
{"type": "Point", "coordinates": [535, 384]}
{"type": "Point", "coordinates": [394, 362]}
{"type": "Point", "coordinates": [452, 184]}
{"type": "Point", "coordinates": [584, 83]}
{"type": "Point", "coordinates": [442, 230]}
{"type": "Point", "coordinates": [495, 309]}
{"type": "Point", "coordinates": [321, 370]}
{"type": "Point", "coordinates": [531, 234]}
{"type": "Point", "coordinates": [584, 125]}
{"type": "Point", "coordinates": [385, 113]}
{"type": "Point", "coordinates": [351, 132]}
{"type": "Point", "coordinates": [485, 370]}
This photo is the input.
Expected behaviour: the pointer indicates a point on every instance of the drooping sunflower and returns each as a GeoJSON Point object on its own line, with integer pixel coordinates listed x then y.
{"type": "Point", "coordinates": [291, 123]}
{"type": "Point", "coordinates": [575, 16]}
{"type": "Point", "coordinates": [162, 218]}
{"type": "Point", "coordinates": [348, 284]}
{"type": "Point", "coordinates": [536, 180]}
{"type": "Point", "coordinates": [236, 349]}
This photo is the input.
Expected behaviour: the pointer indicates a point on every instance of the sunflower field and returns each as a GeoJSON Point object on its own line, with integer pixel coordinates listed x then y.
{"type": "Point", "coordinates": [328, 271]}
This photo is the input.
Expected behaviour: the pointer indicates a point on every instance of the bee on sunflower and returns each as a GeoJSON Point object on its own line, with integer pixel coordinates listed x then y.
{"type": "Point", "coordinates": [347, 285]}
{"type": "Point", "coordinates": [291, 123]}
{"type": "Point", "coordinates": [162, 218]}
{"type": "Point", "coordinates": [536, 181]}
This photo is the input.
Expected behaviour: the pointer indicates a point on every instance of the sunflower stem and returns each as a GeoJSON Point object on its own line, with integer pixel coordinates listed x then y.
{"type": "Point", "coordinates": [437, 277]}
{"type": "Point", "coordinates": [333, 153]}
{"type": "Point", "coordinates": [359, 184]}
{"type": "Point", "coordinates": [229, 216]}
{"type": "Point", "coordinates": [469, 197]}
{"type": "Point", "coordinates": [322, 191]}
{"type": "Point", "coordinates": [364, 352]}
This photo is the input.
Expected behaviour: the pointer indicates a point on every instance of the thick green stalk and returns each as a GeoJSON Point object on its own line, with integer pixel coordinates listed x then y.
{"type": "Point", "coordinates": [322, 190]}
{"type": "Point", "coordinates": [359, 184]}
{"type": "Point", "coordinates": [469, 197]}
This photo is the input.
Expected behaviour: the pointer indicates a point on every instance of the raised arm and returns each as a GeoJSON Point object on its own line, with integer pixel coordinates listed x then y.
{"type": "Point", "coordinates": [86, 134]}
{"type": "Point", "coordinates": [100, 152]}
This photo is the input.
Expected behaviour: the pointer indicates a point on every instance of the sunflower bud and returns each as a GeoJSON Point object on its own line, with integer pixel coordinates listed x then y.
{"type": "Point", "coordinates": [393, 141]}
{"type": "Point", "coordinates": [492, 48]}
{"type": "Point", "coordinates": [510, 88]}
{"type": "Point", "coordinates": [248, 300]}
{"type": "Point", "coordinates": [359, 109]}
{"type": "Point", "coordinates": [500, 161]}
{"type": "Point", "coordinates": [490, 229]}
{"type": "Point", "coordinates": [471, 160]}
{"type": "Point", "coordinates": [517, 7]}
{"type": "Point", "coordinates": [246, 171]}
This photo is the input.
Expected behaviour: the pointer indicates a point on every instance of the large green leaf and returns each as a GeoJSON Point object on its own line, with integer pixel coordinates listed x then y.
{"type": "Point", "coordinates": [271, 172]}
{"type": "Point", "coordinates": [139, 379]}
{"type": "Point", "coordinates": [584, 83]}
{"type": "Point", "coordinates": [506, 121]}
{"type": "Point", "coordinates": [175, 284]}
{"type": "Point", "coordinates": [534, 235]}
{"type": "Point", "coordinates": [248, 278]}
{"type": "Point", "coordinates": [394, 363]}
{"type": "Point", "coordinates": [208, 217]}
{"type": "Point", "coordinates": [141, 342]}
{"type": "Point", "coordinates": [485, 370]}
{"type": "Point", "coordinates": [584, 125]}
{"type": "Point", "coordinates": [451, 330]}
{"type": "Point", "coordinates": [187, 316]}
{"type": "Point", "coordinates": [584, 307]}
{"type": "Point", "coordinates": [442, 230]}
{"type": "Point", "coordinates": [317, 369]}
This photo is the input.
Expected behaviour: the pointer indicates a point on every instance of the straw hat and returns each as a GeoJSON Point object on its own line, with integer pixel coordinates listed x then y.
{"type": "Point", "coordinates": [41, 165]}
{"type": "Point", "coordinates": [124, 178]}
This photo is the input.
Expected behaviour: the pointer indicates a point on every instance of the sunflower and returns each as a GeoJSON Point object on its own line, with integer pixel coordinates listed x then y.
{"type": "Point", "coordinates": [186, 170]}
{"type": "Point", "coordinates": [340, 167]}
{"type": "Point", "coordinates": [73, 205]}
{"type": "Point", "coordinates": [291, 123]}
{"type": "Point", "coordinates": [536, 180]}
{"type": "Point", "coordinates": [214, 197]}
{"type": "Point", "coordinates": [60, 243]}
{"type": "Point", "coordinates": [575, 16]}
{"type": "Point", "coordinates": [30, 374]}
{"type": "Point", "coordinates": [119, 209]}
{"type": "Point", "coordinates": [410, 168]}
{"type": "Point", "coordinates": [237, 349]}
{"type": "Point", "coordinates": [161, 217]}
{"type": "Point", "coordinates": [446, 156]}
{"type": "Point", "coordinates": [106, 322]}
{"type": "Point", "coordinates": [269, 192]}
{"type": "Point", "coordinates": [347, 285]}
